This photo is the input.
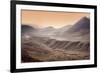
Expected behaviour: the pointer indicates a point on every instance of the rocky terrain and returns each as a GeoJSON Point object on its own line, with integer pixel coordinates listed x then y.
{"type": "Point", "coordinates": [51, 44]}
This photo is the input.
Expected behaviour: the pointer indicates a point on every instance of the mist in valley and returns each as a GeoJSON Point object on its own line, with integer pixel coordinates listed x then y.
{"type": "Point", "coordinates": [71, 42]}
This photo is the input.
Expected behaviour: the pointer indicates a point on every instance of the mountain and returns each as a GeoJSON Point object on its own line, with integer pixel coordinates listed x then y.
{"type": "Point", "coordinates": [82, 24]}
{"type": "Point", "coordinates": [26, 28]}
{"type": "Point", "coordinates": [29, 31]}
{"type": "Point", "coordinates": [61, 30]}
{"type": "Point", "coordinates": [50, 28]}
{"type": "Point", "coordinates": [64, 28]}
{"type": "Point", "coordinates": [50, 44]}
{"type": "Point", "coordinates": [80, 31]}
{"type": "Point", "coordinates": [47, 31]}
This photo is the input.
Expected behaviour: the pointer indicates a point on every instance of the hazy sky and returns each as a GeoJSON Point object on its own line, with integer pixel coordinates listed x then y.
{"type": "Point", "coordinates": [43, 19]}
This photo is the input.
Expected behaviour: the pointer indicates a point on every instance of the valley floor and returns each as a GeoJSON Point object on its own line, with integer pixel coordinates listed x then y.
{"type": "Point", "coordinates": [33, 51]}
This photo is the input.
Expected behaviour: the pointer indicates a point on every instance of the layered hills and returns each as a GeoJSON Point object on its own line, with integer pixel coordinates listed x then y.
{"type": "Point", "coordinates": [51, 44]}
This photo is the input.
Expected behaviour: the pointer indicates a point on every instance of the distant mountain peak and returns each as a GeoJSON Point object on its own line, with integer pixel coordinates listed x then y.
{"type": "Point", "coordinates": [49, 27]}
{"type": "Point", "coordinates": [26, 25]}
{"type": "Point", "coordinates": [82, 24]}
{"type": "Point", "coordinates": [84, 19]}
{"type": "Point", "coordinates": [26, 28]}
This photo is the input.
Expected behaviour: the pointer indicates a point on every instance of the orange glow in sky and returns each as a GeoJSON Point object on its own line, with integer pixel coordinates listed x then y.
{"type": "Point", "coordinates": [43, 19]}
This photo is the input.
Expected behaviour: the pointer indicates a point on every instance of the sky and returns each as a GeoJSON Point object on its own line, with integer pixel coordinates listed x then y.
{"type": "Point", "coordinates": [42, 19]}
